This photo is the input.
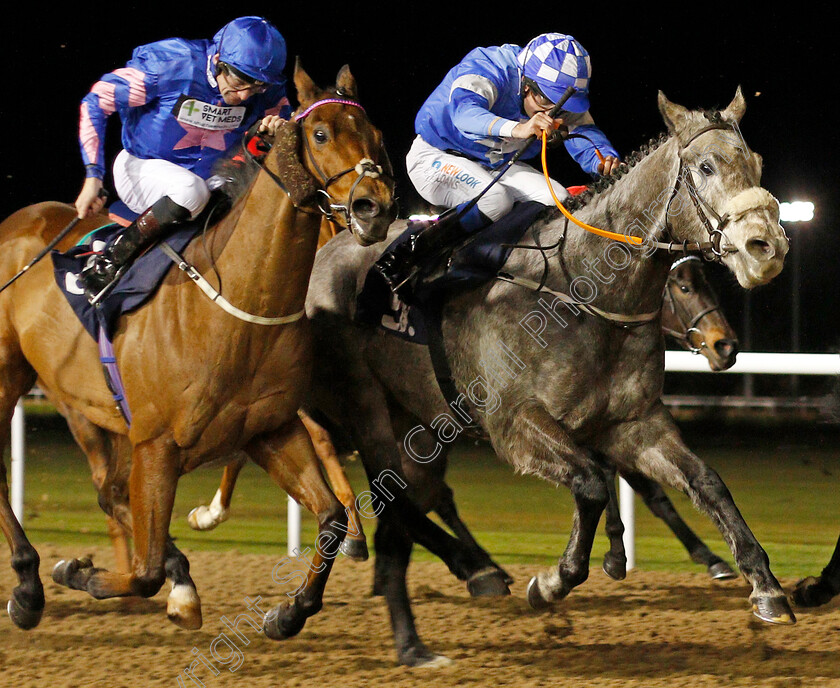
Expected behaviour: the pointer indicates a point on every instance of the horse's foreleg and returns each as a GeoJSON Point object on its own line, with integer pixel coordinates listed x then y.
{"type": "Point", "coordinates": [207, 517]}
{"type": "Point", "coordinates": [813, 592]}
{"type": "Point", "coordinates": [660, 506]}
{"type": "Point", "coordinates": [27, 602]}
{"type": "Point", "coordinates": [653, 447]}
{"type": "Point", "coordinates": [393, 551]}
{"type": "Point", "coordinates": [288, 456]}
{"type": "Point", "coordinates": [354, 545]}
{"type": "Point", "coordinates": [152, 482]}
{"type": "Point", "coordinates": [615, 560]}
{"type": "Point", "coordinates": [535, 443]}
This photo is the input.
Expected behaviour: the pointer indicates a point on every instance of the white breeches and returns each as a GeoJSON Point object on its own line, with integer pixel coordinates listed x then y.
{"type": "Point", "coordinates": [141, 183]}
{"type": "Point", "coordinates": [447, 180]}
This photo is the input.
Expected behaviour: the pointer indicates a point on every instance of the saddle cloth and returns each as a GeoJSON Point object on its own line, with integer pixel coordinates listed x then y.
{"type": "Point", "coordinates": [466, 267]}
{"type": "Point", "coordinates": [137, 285]}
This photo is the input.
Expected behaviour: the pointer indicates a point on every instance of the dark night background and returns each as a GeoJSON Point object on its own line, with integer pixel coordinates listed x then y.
{"type": "Point", "coordinates": [698, 55]}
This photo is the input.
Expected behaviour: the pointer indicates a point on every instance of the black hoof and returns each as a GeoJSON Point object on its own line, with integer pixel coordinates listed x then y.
{"type": "Point", "coordinates": [419, 656]}
{"type": "Point", "coordinates": [488, 583]}
{"type": "Point", "coordinates": [810, 592]}
{"type": "Point", "coordinates": [535, 598]}
{"type": "Point", "coordinates": [284, 621]}
{"type": "Point", "coordinates": [21, 616]}
{"type": "Point", "coordinates": [721, 571]}
{"type": "Point", "coordinates": [615, 567]}
{"type": "Point", "coordinates": [73, 573]}
{"type": "Point", "coordinates": [357, 550]}
{"type": "Point", "coordinates": [775, 610]}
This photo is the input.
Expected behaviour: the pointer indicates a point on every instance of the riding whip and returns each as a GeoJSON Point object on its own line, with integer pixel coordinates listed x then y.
{"type": "Point", "coordinates": [50, 246]}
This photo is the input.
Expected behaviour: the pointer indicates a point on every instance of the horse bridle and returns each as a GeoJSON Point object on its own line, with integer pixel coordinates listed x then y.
{"type": "Point", "coordinates": [327, 206]}
{"type": "Point", "coordinates": [692, 326]}
{"type": "Point", "coordinates": [701, 205]}
{"type": "Point", "coordinates": [364, 168]}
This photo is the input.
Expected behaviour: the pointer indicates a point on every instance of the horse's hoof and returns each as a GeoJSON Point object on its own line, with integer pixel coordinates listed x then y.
{"type": "Point", "coordinates": [67, 573]}
{"type": "Point", "coordinates": [488, 583]}
{"type": "Point", "coordinates": [202, 518]}
{"type": "Point", "coordinates": [615, 567]}
{"type": "Point", "coordinates": [22, 617]}
{"type": "Point", "coordinates": [183, 607]}
{"type": "Point", "coordinates": [535, 598]}
{"type": "Point", "coordinates": [809, 592]}
{"type": "Point", "coordinates": [419, 657]}
{"type": "Point", "coordinates": [282, 622]}
{"type": "Point", "coordinates": [357, 550]}
{"type": "Point", "coordinates": [721, 571]}
{"type": "Point", "coordinates": [775, 610]}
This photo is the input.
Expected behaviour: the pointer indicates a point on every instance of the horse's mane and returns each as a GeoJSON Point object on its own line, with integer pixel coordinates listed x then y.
{"type": "Point", "coordinates": [631, 160]}
{"type": "Point", "coordinates": [238, 168]}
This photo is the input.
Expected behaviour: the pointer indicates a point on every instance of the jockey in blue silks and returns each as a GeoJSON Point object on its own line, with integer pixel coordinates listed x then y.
{"type": "Point", "coordinates": [476, 121]}
{"type": "Point", "coordinates": [183, 105]}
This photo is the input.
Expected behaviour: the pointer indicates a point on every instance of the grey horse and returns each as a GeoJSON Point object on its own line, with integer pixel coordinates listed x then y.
{"type": "Point", "coordinates": [557, 368]}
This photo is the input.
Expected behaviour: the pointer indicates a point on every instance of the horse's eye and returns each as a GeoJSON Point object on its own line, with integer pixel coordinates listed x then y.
{"type": "Point", "coordinates": [685, 289]}
{"type": "Point", "coordinates": [707, 169]}
{"type": "Point", "coordinates": [320, 136]}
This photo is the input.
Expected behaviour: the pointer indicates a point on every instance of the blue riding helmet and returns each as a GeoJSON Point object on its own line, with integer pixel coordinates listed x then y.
{"type": "Point", "coordinates": [253, 46]}
{"type": "Point", "coordinates": [555, 61]}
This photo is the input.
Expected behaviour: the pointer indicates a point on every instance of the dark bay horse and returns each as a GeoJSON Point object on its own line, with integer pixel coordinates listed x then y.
{"type": "Point", "coordinates": [692, 316]}
{"type": "Point", "coordinates": [200, 393]}
{"type": "Point", "coordinates": [555, 400]}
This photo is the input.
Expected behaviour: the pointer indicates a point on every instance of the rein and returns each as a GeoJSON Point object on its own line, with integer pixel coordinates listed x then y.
{"type": "Point", "coordinates": [701, 206]}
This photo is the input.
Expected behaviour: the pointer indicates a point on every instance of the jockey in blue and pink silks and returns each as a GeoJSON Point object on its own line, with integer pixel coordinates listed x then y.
{"type": "Point", "coordinates": [476, 121]}
{"type": "Point", "coordinates": [183, 105]}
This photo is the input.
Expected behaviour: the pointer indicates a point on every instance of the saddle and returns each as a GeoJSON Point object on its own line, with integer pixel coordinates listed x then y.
{"type": "Point", "coordinates": [462, 267]}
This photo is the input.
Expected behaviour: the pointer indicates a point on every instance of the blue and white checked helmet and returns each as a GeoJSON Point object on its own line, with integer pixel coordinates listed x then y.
{"type": "Point", "coordinates": [555, 61]}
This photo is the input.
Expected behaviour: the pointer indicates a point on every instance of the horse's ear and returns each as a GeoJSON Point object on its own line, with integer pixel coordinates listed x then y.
{"type": "Point", "coordinates": [306, 88]}
{"type": "Point", "coordinates": [735, 110]}
{"type": "Point", "coordinates": [675, 116]}
{"type": "Point", "coordinates": [346, 83]}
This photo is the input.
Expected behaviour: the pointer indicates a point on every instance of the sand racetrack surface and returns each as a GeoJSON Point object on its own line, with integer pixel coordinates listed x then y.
{"type": "Point", "coordinates": [652, 629]}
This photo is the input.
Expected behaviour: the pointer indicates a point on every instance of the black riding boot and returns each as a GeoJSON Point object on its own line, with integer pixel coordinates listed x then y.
{"type": "Point", "coordinates": [102, 269]}
{"type": "Point", "coordinates": [399, 265]}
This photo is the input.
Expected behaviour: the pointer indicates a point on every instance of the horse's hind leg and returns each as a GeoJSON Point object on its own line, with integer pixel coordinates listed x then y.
{"type": "Point", "coordinates": [813, 592]}
{"type": "Point", "coordinates": [206, 517]}
{"type": "Point", "coordinates": [652, 446]}
{"type": "Point", "coordinates": [97, 446]}
{"type": "Point", "coordinates": [288, 457]}
{"type": "Point", "coordinates": [153, 478]}
{"type": "Point", "coordinates": [660, 506]}
{"type": "Point", "coordinates": [354, 545]}
{"type": "Point", "coordinates": [535, 443]}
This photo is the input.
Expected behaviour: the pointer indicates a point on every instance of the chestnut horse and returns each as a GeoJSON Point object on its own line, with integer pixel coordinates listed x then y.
{"type": "Point", "coordinates": [199, 393]}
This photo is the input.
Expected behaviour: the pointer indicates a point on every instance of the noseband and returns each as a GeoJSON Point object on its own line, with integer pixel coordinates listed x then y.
{"type": "Point", "coordinates": [364, 168]}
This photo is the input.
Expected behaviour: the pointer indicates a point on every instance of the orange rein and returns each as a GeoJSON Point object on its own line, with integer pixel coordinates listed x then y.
{"type": "Point", "coordinates": [589, 228]}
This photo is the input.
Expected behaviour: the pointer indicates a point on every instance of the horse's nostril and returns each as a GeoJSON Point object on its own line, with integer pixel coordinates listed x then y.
{"type": "Point", "coordinates": [760, 249]}
{"type": "Point", "coordinates": [365, 208]}
{"type": "Point", "coordinates": [726, 347]}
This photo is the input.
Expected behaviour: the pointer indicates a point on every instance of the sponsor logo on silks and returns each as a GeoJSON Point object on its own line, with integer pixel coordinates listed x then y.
{"type": "Point", "coordinates": [196, 113]}
{"type": "Point", "coordinates": [457, 174]}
